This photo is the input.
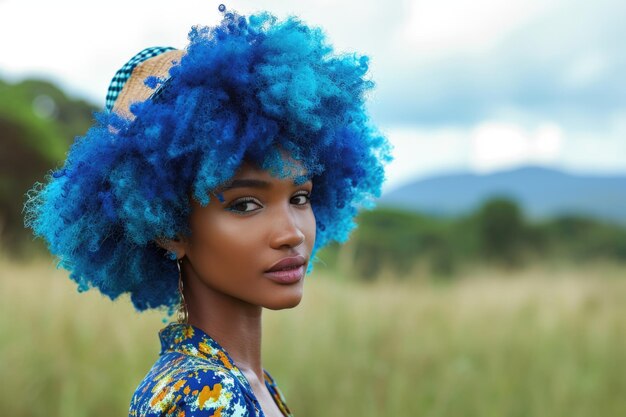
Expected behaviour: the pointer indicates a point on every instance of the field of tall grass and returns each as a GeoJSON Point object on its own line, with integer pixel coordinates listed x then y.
{"type": "Point", "coordinates": [544, 342]}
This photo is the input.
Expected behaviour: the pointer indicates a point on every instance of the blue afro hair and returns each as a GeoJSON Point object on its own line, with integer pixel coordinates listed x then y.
{"type": "Point", "coordinates": [242, 91]}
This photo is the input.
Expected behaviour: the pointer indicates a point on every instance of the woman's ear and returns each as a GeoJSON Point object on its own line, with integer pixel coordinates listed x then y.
{"type": "Point", "coordinates": [175, 247]}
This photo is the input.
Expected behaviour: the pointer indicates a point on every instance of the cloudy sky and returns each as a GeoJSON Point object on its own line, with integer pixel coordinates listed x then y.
{"type": "Point", "coordinates": [462, 85]}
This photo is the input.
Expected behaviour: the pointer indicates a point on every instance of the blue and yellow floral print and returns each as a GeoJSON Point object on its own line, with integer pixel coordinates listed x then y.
{"type": "Point", "coordinates": [195, 377]}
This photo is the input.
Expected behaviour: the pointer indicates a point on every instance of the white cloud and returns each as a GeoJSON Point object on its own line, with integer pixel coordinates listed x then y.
{"type": "Point", "coordinates": [497, 145]}
{"type": "Point", "coordinates": [601, 151]}
{"type": "Point", "coordinates": [82, 44]}
{"type": "Point", "coordinates": [444, 26]}
{"type": "Point", "coordinates": [424, 152]}
{"type": "Point", "coordinates": [585, 70]}
{"type": "Point", "coordinates": [486, 147]}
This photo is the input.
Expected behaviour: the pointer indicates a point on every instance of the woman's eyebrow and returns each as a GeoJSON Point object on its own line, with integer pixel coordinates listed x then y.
{"type": "Point", "coordinates": [246, 183]}
{"type": "Point", "coordinates": [251, 183]}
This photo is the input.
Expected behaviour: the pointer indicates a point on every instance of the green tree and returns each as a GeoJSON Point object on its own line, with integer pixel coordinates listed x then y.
{"type": "Point", "coordinates": [37, 125]}
{"type": "Point", "coordinates": [501, 230]}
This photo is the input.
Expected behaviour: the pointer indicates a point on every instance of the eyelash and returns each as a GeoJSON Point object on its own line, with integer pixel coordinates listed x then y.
{"type": "Point", "coordinates": [245, 200]}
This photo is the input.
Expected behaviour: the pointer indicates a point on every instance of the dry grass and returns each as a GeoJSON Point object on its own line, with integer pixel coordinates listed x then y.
{"type": "Point", "coordinates": [533, 343]}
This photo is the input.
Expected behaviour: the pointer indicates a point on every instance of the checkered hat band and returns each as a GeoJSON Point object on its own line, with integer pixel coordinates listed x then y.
{"type": "Point", "coordinates": [123, 74]}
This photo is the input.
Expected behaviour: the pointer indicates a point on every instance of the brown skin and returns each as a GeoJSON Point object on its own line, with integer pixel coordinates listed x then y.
{"type": "Point", "coordinates": [223, 263]}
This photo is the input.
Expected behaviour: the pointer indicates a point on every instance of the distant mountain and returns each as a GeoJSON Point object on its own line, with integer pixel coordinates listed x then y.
{"type": "Point", "coordinates": [540, 192]}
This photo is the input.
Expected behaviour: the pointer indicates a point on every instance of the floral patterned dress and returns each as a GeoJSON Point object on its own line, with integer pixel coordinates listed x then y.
{"type": "Point", "coordinates": [195, 377]}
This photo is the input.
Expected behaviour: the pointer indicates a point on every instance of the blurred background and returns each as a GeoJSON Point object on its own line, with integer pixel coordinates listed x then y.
{"type": "Point", "coordinates": [489, 281]}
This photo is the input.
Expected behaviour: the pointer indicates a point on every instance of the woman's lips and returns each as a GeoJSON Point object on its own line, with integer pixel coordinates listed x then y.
{"type": "Point", "coordinates": [287, 270]}
{"type": "Point", "coordinates": [286, 276]}
{"type": "Point", "coordinates": [287, 263]}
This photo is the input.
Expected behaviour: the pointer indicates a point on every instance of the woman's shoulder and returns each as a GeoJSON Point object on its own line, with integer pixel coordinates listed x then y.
{"type": "Point", "coordinates": [182, 385]}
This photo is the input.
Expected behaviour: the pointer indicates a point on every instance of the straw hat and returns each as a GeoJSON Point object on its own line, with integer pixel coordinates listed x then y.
{"type": "Point", "coordinates": [127, 86]}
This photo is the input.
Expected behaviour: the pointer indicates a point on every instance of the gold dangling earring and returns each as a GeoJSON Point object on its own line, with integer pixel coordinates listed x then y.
{"type": "Point", "coordinates": [183, 316]}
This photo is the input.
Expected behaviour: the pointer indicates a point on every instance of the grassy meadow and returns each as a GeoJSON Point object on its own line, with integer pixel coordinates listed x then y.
{"type": "Point", "coordinates": [543, 342]}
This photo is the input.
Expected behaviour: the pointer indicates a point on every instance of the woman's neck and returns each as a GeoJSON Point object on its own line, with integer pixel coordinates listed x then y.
{"type": "Point", "coordinates": [232, 323]}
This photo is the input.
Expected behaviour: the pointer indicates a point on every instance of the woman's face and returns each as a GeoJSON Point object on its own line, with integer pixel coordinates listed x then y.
{"type": "Point", "coordinates": [255, 245]}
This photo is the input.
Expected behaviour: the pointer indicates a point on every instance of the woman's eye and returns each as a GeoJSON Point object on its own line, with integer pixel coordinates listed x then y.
{"type": "Point", "coordinates": [300, 199]}
{"type": "Point", "coordinates": [244, 206]}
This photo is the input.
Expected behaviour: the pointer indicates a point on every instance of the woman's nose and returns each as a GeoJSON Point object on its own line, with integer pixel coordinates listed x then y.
{"type": "Point", "coordinates": [285, 231]}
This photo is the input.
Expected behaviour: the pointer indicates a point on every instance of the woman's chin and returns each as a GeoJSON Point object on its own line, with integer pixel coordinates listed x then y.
{"type": "Point", "coordinates": [284, 302]}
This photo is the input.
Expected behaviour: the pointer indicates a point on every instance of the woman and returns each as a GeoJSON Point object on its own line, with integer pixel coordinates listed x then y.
{"type": "Point", "coordinates": [194, 192]}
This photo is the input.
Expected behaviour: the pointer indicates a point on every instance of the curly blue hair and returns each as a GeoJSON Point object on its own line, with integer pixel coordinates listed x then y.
{"type": "Point", "coordinates": [245, 90]}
